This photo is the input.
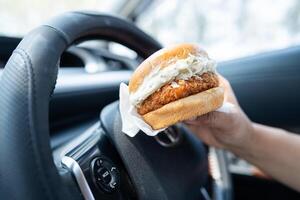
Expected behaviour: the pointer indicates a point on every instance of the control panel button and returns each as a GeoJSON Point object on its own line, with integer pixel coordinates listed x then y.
{"type": "Point", "coordinates": [105, 174]}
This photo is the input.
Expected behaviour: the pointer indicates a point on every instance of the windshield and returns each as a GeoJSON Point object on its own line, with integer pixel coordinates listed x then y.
{"type": "Point", "coordinates": [227, 29]}
{"type": "Point", "coordinates": [18, 17]}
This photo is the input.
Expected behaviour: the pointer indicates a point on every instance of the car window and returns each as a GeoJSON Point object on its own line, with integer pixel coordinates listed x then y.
{"type": "Point", "coordinates": [227, 29]}
{"type": "Point", "coordinates": [18, 17]}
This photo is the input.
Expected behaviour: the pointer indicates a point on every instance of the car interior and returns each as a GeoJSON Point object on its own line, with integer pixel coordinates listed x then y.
{"type": "Point", "coordinates": [60, 125]}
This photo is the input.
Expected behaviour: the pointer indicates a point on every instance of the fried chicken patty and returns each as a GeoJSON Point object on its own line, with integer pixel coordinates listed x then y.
{"type": "Point", "coordinates": [180, 89]}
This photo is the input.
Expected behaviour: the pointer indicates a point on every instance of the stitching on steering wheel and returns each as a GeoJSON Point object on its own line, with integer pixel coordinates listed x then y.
{"type": "Point", "coordinates": [31, 94]}
{"type": "Point", "coordinates": [61, 34]}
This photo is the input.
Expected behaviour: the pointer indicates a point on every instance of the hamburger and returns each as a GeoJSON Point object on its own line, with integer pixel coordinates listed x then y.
{"type": "Point", "coordinates": [175, 84]}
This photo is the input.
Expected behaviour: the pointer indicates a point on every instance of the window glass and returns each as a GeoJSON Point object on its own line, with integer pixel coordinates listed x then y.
{"type": "Point", "coordinates": [226, 29]}
{"type": "Point", "coordinates": [17, 17]}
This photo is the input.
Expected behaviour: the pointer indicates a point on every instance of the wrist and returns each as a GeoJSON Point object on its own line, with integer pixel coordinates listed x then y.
{"type": "Point", "coordinates": [253, 146]}
{"type": "Point", "coordinates": [244, 147]}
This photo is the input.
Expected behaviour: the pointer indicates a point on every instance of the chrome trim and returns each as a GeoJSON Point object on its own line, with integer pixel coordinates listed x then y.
{"type": "Point", "coordinates": [169, 137]}
{"type": "Point", "coordinates": [61, 158]}
{"type": "Point", "coordinates": [205, 194]}
{"type": "Point", "coordinates": [72, 165]}
{"type": "Point", "coordinates": [214, 165]}
{"type": "Point", "coordinates": [61, 152]}
{"type": "Point", "coordinates": [222, 189]}
{"type": "Point", "coordinates": [216, 175]}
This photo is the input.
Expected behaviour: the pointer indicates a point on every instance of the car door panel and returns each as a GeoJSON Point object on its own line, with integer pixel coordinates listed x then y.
{"type": "Point", "coordinates": [267, 86]}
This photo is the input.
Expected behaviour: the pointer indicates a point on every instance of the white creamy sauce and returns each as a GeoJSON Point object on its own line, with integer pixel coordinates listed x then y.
{"type": "Point", "coordinates": [174, 84]}
{"type": "Point", "coordinates": [181, 69]}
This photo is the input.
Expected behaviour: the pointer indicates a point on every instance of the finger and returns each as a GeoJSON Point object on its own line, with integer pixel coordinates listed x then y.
{"type": "Point", "coordinates": [205, 135]}
{"type": "Point", "coordinates": [193, 122]}
{"type": "Point", "coordinates": [214, 119]}
{"type": "Point", "coordinates": [203, 120]}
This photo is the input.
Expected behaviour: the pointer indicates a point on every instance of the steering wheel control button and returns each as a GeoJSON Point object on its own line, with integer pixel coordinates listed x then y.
{"type": "Point", "coordinates": [105, 174]}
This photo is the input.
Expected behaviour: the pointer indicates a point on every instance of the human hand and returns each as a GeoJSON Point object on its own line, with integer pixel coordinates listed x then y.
{"type": "Point", "coordinates": [223, 130]}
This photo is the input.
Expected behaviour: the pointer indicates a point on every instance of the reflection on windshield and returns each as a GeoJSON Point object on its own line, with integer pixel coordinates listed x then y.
{"type": "Point", "coordinates": [18, 17]}
{"type": "Point", "coordinates": [227, 29]}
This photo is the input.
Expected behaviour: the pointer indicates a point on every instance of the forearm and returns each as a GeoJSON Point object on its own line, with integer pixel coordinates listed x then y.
{"type": "Point", "coordinates": [275, 151]}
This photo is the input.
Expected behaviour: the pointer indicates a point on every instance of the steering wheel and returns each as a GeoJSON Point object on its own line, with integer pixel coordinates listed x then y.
{"type": "Point", "coordinates": [102, 163]}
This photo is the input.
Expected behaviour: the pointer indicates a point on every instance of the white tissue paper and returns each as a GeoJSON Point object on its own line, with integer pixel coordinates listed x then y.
{"type": "Point", "coordinates": [132, 122]}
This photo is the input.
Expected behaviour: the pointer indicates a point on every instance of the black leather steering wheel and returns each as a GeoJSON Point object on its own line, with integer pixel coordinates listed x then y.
{"type": "Point", "coordinates": [27, 170]}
